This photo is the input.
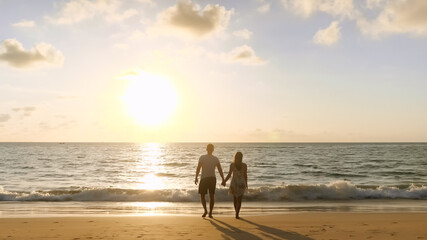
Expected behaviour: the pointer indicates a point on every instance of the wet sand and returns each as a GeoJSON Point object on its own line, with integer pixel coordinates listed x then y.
{"type": "Point", "coordinates": [300, 226]}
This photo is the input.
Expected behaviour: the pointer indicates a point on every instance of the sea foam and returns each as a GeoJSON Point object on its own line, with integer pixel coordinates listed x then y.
{"type": "Point", "coordinates": [339, 190]}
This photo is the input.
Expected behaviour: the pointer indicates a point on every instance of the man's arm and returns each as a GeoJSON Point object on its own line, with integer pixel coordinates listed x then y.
{"type": "Point", "coordinates": [245, 174]}
{"type": "Point", "coordinates": [229, 174]}
{"type": "Point", "coordinates": [196, 180]}
{"type": "Point", "coordinates": [220, 171]}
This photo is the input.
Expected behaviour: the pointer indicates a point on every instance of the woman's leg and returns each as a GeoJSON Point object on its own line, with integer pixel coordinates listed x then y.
{"type": "Point", "coordinates": [235, 202]}
{"type": "Point", "coordinates": [238, 205]}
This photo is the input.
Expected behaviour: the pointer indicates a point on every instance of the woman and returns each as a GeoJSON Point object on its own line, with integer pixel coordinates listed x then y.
{"type": "Point", "coordinates": [239, 182]}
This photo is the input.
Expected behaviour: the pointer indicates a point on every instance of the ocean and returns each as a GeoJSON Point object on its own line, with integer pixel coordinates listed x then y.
{"type": "Point", "coordinates": [153, 178]}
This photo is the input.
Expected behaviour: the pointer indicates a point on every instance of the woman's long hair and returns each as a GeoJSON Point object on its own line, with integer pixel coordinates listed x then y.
{"type": "Point", "coordinates": [238, 157]}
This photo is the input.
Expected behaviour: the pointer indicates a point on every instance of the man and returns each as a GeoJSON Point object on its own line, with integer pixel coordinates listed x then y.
{"type": "Point", "coordinates": [208, 163]}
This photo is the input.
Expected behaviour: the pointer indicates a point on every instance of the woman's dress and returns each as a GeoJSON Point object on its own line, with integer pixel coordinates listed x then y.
{"type": "Point", "coordinates": [238, 183]}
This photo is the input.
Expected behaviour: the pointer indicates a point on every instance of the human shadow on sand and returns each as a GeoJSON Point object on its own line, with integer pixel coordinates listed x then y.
{"type": "Point", "coordinates": [231, 232]}
{"type": "Point", "coordinates": [275, 233]}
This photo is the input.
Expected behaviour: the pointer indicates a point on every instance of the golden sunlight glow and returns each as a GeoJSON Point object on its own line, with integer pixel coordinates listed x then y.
{"type": "Point", "coordinates": [150, 205]}
{"type": "Point", "coordinates": [151, 182]}
{"type": "Point", "coordinates": [150, 99]}
{"type": "Point", "coordinates": [148, 208]}
{"type": "Point", "coordinates": [149, 164]}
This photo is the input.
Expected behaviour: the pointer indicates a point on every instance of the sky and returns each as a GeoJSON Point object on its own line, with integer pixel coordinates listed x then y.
{"type": "Point", "coordinates": [213, 71]}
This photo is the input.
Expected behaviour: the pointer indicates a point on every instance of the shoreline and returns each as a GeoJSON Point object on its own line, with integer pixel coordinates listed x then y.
{"type": "Point", "coordinates": [298, 226]}
{"type": "Point", "coordinates": [17, 209]}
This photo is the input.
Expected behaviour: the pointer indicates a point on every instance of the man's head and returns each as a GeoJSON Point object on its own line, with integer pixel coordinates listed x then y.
{"type": "Point", "coordinates": [210, 148]}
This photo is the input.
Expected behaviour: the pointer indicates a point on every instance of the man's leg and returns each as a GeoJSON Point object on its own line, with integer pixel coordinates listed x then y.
{"type": "Point", "coordinates": [203, 200]}
{"type": "Point", "coordinates": [202, 192]}
{"type": "Point", "coordinates": [211, 203]}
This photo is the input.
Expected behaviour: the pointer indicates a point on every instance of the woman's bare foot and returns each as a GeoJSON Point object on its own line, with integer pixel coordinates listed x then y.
{"type": "Point", "coordinates": [204, 214]}
{"type": "Point", "coordinates": [237, 217]}
{"type": "Point", "coordinates": [210, 215]}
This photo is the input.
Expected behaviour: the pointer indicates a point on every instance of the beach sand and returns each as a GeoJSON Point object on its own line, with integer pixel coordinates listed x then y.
{"type": "Point", "coordinates": [300, 226]}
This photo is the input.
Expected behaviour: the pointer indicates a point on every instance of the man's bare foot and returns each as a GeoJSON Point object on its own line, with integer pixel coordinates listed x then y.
{"type": "Point", "coordinates": [237, 217]}
{"type": "Point", "coordinates": [204, 214]}
{"type": "Point", "coordinates": [210, 215]}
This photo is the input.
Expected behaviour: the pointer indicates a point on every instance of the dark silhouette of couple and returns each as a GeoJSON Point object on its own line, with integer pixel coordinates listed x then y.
{"type": "Point", "coordinates": [239, 181]}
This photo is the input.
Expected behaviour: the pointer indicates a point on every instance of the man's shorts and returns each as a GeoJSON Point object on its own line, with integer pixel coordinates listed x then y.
{"type": "Point", "coordinates": [208, 183]}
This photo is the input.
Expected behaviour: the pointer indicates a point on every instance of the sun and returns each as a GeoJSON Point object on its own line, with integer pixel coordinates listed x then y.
{"type": "Point", "coordinates": [149, 99]}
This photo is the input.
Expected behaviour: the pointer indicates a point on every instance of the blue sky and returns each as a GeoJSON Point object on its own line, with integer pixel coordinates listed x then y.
{"type": "Point", "coordinates": [259, 70]}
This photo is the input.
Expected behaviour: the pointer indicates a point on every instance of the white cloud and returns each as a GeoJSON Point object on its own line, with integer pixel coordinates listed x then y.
{"type": "Point", "coordinates": [390, 16]}
{"type": "Point", "coordinates": [372, 4]}
{"type": "Point", "coordinates": [187, 18]}
{"type": "Point", "coordinates": [24, 24]}
{"type": "Point", "coordinates": [336, 8]}
{"type": "Point", "coordinates": [242, 54]}
{"type": "Point", "coordinates": [329, 35]}
{"type": "Point", "coordinates": [397, 17]}
{"type": "Point", "coordinates": [302, 7]}
{"type": "Point", "coordinates": [76, 11]}
{"type": "Point", "coordinates": [265, 8]}
{"type": "Point", "coordinates": [4, 117]}
{"type": "Point", "coordinates": [149, 2]}
{"type": "Point", "coordinates": [119, 17]}
{"type": "Point", "coordinates": [26, 111]}
{"type": "Point", "coordinates": [244, 33]}
{"type": "Point", "coordinates": [13, 53]}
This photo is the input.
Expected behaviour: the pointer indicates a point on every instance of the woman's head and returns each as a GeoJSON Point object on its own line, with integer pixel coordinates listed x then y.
{"type": "Point", "coordinates": [238, 157]}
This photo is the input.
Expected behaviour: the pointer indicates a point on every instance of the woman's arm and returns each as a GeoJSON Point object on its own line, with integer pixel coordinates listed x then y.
{"type": "Point", "coordinates": [229, 174]}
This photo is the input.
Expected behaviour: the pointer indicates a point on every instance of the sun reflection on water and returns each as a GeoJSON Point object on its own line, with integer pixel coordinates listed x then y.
{"type": "Point", "coordinates": [149, 208]}
{"type": "Point", "coordinates": [151, 182]}
{"type": "Point", "coordinates": [149, 166]}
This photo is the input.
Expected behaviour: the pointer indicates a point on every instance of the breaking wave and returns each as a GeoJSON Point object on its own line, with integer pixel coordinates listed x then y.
{"type": "Point", "coordinates": [339, 190]}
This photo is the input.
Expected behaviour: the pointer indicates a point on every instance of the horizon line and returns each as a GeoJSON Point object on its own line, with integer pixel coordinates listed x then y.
{"type": "Point", "coordinates": [215, 142]}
